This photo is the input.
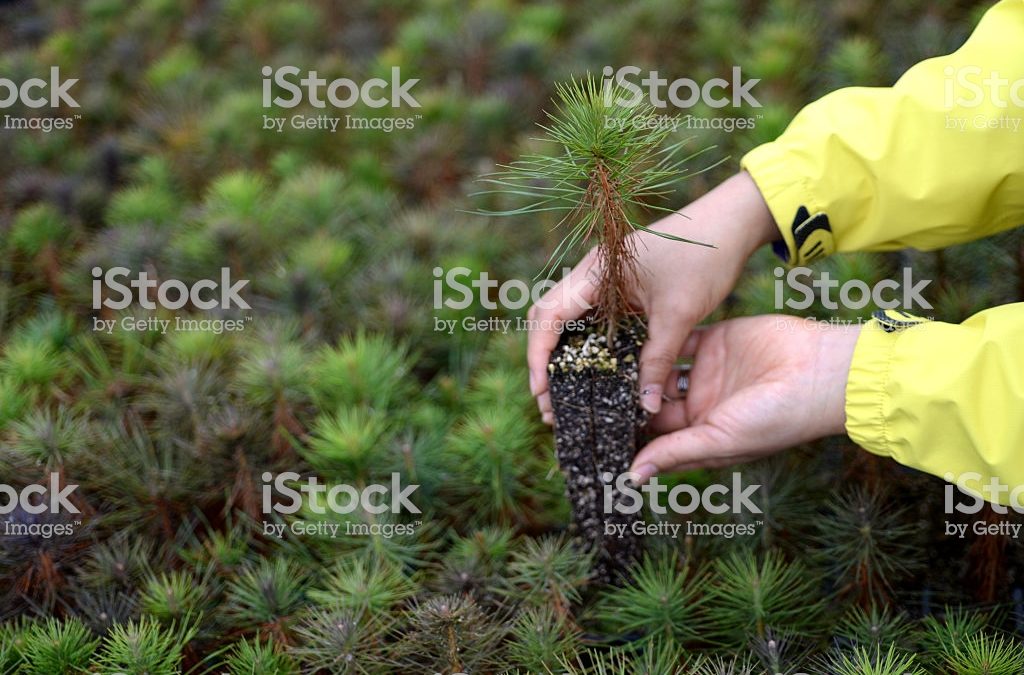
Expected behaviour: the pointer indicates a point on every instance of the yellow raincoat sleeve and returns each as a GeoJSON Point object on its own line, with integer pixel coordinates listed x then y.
{"type": "Point", "coordinates": [936, 159]}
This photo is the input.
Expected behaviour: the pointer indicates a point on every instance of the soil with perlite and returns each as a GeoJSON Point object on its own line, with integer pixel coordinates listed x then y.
{"type": "Point", "coordinates": [598, 428]}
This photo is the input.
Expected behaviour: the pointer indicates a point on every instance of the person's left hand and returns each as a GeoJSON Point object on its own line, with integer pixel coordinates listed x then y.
{"type": "Point", "coordinates": [758, 385]}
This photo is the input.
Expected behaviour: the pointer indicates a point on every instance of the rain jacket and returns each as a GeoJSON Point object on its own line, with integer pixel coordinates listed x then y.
{"type": "Point", "coordinates": [934, 160]}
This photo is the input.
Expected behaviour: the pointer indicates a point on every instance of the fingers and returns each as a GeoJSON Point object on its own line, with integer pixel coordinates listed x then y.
{"type": "Point", "coordinates": [673, 416]}
{"type": "Point", "coordinates": [547, 414]}
{"type": "Point", "coordinates": [665, 338]}
{"type": "Point", "coordinates": [688, 448]}
{"type": "Point", "coordinates": [569, 299]}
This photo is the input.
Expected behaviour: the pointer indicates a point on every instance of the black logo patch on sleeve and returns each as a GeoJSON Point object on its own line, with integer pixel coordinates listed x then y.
{"type": "Point", "coordinates": [812, 236]}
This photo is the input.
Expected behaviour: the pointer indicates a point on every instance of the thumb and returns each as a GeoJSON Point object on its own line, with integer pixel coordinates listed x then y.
{"type": "Point", "coordinates": [659, 353]}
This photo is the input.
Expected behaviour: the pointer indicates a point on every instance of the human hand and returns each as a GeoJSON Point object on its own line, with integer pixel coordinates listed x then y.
{"type": "Point", "coordinates": [677, 285]}
{"type": "Point", "coordinates": [758, 385]}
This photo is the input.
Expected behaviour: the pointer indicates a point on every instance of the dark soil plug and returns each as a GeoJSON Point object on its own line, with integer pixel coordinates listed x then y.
{"type": "Point", "coordinates": [598, 419]}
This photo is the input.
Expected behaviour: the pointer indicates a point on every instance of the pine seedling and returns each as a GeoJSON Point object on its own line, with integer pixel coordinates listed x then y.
{"type": "Point", "coordinates": [875, 660]}
{"type": "Point", "coordinates": [145, 646]}
{"type": "Point", "coordinates": [500, 387]}
{"type": "Point", "coordinates": [258, 657]}
{"type": "Point", "coordinates": [179, 395]}
{"type": "Point", "coordinates": [786, 499]}
{"type": "Point", "coordinates": [151, 481]}
{"type": "Point", "coordinates": [477, 564]}
{"type": "Point", "coordinates": [749, 597]}
{"type": "Point", "coordinates": [873, 626]}
{"type": "Point", "coordinates": [225, 550]}
{"type": "Point", "coordinates": [12, 644]}
{"type": "Point", "coordinates": [550, 572]}
{"type": "Point", "coordinates": [267, 595]}
{"type": "Point", "coordinates": [541, 639]}
{"type": "Point", "coordinates": [720, 665]}
{"type": "Point", "coordinates": [143, 205]}
{"type": "Point", "coordinates": [50, 438]}
{"type": "Point", "coordinates": [38, 232]}
{"type": "Point", "coordinates": [943, 636]}
{"type": "Point", "coordinates": [380, 537]}
{"type": "Point", "coordinates": [13, 401]}
{"type": "Point", "coordinates": [121, 562]}
{"type": "Point", "coordinates": [241, 195]}
{"type": "Point", "coordinates": [654, 658]}
{"type": "Point", "coordinates": [312, 197]}
{"type": "Point", "coordinates": [488, 547]}
{"type": "Point", "coordinates": [173, 596]}
{"type": "Point", "coordinates": [55, 647]}
{"type": "Point", "coordinates": [366, 370]}
{"type": "Point", "coordinates": [102, 608]}
{"type": "Point", "coordinates": [273, 376]}
{"type": "Point", "coordinates": [50, 326]}
{"type": "Point", "coordinates": [347, 445]}
{"type": "Point", "coordinates": [660, 600]}
{"type": "Point", "coordinates": [608, 160]}
{"type": "Point", "coordinates": [856, 62]}
{"type": "Point", "coordinates": [866, 544]}
{"type": "Point", "coordinates": [450, 634]}
{"type": "Point", "coordinates": [33, 366]}
{"type": "Point", "coordinates": [986, 653]}
{"type": "Point", "coordinates": [341, 641]}
{"type": "Point", "coordinates": [362, 588]}
{"type": "Point", "coordinates": [491, 453]}
{"type": "Point", "coordinates": [109, 368]}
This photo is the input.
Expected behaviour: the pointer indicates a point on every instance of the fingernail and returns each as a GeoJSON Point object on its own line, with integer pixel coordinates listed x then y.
{"type": "Point", "coordinates": [650, 398]}
{"type": "Point", "coordinates": [644, 473]}
{"type": "Point", "coordinates": [533, 385]}
{"type": "Point", "coordinates": [547, 418]}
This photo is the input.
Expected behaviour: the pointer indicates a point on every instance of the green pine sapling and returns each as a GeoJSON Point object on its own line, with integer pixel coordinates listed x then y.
{"type": "Point", "coordinates": [611, 160]}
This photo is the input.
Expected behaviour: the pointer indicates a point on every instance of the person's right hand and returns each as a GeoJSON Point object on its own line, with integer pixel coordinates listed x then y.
{"type": "Point", "coordinates": [678, 284]}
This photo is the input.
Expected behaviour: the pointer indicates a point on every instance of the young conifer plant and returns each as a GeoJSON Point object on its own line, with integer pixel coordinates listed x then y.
{"type": "Point", "coordinates": [611, 161]}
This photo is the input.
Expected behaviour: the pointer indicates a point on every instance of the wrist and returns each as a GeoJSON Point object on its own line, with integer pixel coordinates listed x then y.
{"type": "Point", "coordinates": [742, 221]}
{"type": "Point", "coordinates": [835, 358]}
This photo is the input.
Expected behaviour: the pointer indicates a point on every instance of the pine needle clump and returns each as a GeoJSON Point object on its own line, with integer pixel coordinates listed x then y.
{"type": "Point", "coordinates": [610, 159]}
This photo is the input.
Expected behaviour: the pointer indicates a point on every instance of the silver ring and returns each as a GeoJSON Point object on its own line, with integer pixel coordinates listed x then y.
{"type": "Point", "coordinates": [682, 382]}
